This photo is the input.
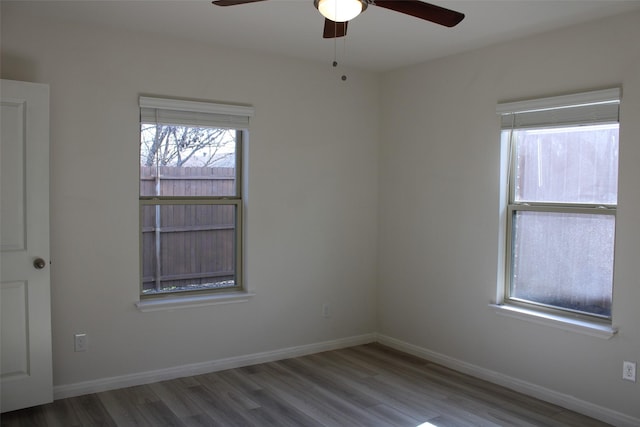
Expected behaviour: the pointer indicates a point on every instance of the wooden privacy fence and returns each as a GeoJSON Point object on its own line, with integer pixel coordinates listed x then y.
{"type": "Point", "coordinates": [187, 246]}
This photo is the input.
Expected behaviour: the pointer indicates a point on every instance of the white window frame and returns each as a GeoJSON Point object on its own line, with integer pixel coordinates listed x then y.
{"type": "Point", "coordinates": [597, 107]}
{"type": "Point", "coordinates": [198, 113]}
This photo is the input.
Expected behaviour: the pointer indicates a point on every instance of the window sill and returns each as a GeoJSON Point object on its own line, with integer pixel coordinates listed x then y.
{"type": "Point", "coordinates": [177, 302]}
{"type": "Point", "coordinates": [565, 323]}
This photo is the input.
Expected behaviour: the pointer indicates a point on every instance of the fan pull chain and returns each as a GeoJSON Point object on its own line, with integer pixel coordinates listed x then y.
{"type": "Point", "coordinates": [344, 54]}
{"type": "Point", "coordinates": [335, 45]}
{"type": "Point", "coordinates": [335, 49]}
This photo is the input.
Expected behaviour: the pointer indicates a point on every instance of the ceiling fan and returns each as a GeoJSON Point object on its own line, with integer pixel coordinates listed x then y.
{"type": "Point", "coordinates": [338, 13]}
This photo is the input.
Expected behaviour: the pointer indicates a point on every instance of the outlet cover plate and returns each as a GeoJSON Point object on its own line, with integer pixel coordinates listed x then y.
{"type": "Point", "coordinates": [629, 371]}
{"type": "Point", "coordinates": [80, 342]}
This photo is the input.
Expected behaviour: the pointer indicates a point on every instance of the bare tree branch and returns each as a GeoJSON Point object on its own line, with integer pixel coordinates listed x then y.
{"type": "Point", "coordinates": [170, 145]}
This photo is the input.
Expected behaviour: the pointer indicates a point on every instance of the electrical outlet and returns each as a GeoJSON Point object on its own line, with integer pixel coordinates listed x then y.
{"type": "Point", "coordinates": [80, 342]}
{"type": "Point", "coordinates": [326, 310]}
{"type": "Point", "coordinates": [629, 371]}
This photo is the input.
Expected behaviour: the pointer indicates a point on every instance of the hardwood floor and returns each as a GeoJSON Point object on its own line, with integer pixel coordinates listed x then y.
{"type": "Point", "coordinates": [368, 385]}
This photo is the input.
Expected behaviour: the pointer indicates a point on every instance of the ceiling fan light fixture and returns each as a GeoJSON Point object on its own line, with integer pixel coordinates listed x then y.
{"type": "Point", "coordinates": [340, 10]}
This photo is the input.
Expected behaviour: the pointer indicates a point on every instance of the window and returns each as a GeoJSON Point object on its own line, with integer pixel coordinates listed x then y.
{"type": "Point", "coordinates": [561, 210]}
{"type": "Point", "coordinates": [191, 196]}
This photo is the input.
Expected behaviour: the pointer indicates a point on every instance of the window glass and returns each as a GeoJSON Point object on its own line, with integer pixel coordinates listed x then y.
{"type": "Point", "coordinates": [188, 247]}
{"type": "Point", "coordinates": [190, 202]}
{"type": "Point", "coordinates": [563, 260]}
{"type": "Point", "coordinates": [575, 165]}
{"type": "Point", "coordinates": [187, 161]}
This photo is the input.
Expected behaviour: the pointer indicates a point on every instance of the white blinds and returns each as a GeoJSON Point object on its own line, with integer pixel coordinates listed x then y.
{"type": "Point", "coordinates": [583, 108]}
{"type": "Point", "coordinates": [194, 113]}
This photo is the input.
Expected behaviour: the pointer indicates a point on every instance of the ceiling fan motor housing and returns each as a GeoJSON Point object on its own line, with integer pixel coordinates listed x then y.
{"type": "Point", "coordinates": [340, 10]}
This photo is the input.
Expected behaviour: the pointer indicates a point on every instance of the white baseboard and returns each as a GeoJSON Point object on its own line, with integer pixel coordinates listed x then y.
{"type": "Point", "coordinates": [569, 402]}
{"type": "Point", "coordinates": [148, 377]}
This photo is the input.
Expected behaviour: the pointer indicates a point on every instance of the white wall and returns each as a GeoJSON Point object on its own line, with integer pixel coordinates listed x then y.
{"type": "Point", "coordinates": [424, 182]}
{"type": "Point", "coordinates": [438, 251]}
{"type": "Point", "coordinates": [312, 206]}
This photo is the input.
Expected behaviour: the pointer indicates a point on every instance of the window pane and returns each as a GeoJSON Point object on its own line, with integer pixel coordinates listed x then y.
{"type": "Point", "coordinates": [564, 260]}
{"type": "Point", "coordinates": [571, 165]}
{"type": "Point", "coordinates": [187, 161]}
{"type": "Point", "coordinates": [188, 247]}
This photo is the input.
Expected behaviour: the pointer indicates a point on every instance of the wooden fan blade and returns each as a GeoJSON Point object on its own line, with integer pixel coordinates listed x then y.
{"type": "Point", "coordinates": [334, 29]}
{"type": "Point", "coordinates": [233, 2]}
{"type": "Point", "coordinates": [426, 11]}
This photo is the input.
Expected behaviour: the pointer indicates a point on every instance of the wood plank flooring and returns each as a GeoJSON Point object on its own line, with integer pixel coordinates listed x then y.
{"type": "Point", "coordinates": [369, 385]}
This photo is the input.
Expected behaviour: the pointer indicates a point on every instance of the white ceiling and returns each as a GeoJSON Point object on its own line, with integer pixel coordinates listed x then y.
{"type": "Point", "coordinates": [377, 40]}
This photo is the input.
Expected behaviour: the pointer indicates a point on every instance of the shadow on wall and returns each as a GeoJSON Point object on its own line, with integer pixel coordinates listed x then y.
{"type": "Point", "coordinates": [17, 67]}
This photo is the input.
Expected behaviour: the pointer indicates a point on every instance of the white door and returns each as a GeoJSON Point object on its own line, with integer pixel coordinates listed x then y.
{"type": "Point", "coordinates": [25, 295]}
